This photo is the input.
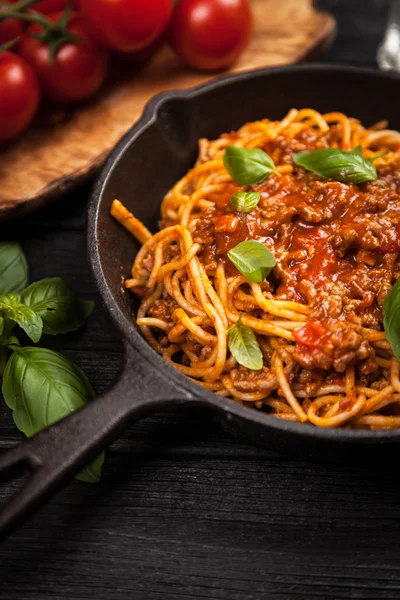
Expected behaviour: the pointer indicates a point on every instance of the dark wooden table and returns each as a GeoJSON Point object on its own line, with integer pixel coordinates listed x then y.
{"type": "Point", "coordinates": [185, 512]}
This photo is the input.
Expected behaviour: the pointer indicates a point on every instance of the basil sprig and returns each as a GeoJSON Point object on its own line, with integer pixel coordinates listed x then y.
{"type": "Point", "coordinates": [39, 385]}
{"type": "Point", "coordinates": [333, 163]}
{"type": "Point", "coordinates": [244, 346]}
{"type": "Point", "coordinates": [13, 268]}
{"type": "Point", "coordinates": [59, 308]}
{"type": "Point", "coordinates": [13, 310]}
{"type": "Point", "coordinates": [391, 321]}
{"type": "Point", "coordinates": [253, 260]}
{"type": "Point", "coordinates": [248, 167]}
{"type": "Point", "coordinates": [244, 202]}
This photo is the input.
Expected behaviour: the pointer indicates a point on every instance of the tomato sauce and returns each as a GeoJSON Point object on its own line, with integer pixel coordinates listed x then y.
{"type": "Point", "coordinates": [329, 238]}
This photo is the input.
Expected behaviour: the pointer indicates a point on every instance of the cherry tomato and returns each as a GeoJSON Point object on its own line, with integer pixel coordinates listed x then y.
{"type": "Point", "coordinates": [142, 56]}
{"type": "Point", "coordinates": [19, 95]}
{"type": "Point", "coordinates": [210, 34]}
{"type": "Point", "coordinates": [48, 6]}
{"type": "Point", "coordinates": [126, 25]}
{"type": "Point", "coordinates": [78, 68]}
{"type": "Point", "coordinates": [9, 28]}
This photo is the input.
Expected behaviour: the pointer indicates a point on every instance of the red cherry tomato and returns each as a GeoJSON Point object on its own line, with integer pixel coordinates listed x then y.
{"type": "Point", "coordinates": [142, 56]}
{"type": "Point", "coordinates": [78, 68]}
{"type": "Point", "coordinates": [9, 28]}
{"type": "Point", "coordinates": [19, 95]}
{"type": "Point", "coordinates": [48, 6]}
{"type": "Point", "coordinates": [210, 34]}
{"type": "Point", "coordinates": [126, 25]}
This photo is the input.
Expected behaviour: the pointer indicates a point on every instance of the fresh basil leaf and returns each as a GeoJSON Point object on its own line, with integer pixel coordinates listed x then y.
{"type": "Point", "coordinates": [9, 340]}
{"type": "Point", "coordinates": [248, 167]}
{"type": "Point", "coordinates": [6, 340]}
{"type": "Point", "coordinates": [1, 325]}
{"type": "Point", "coordinates": [244, 346]}
{"type": "Point", "coordinates": [26, 318]}
{"type": "Point", "coordinates": [244, 202]}
{"type": "Point", "coordinates": [92, 473]}
{"type": "Point", "coordinates": [333, 163]}
{"type": "Point", "coordinates": [391, 318]}
{"type": "Point", "coordinates": [252, 259]}
{"type": "Point", "coordinates": [29, 321]}
{"type": "Point", "coordinates": [59, 308]}
{"type": "Point", "coordinates": [86, 307]}
{"type": "Point", "coordinates": [41, 387]}
{"type": "Point", "coordinates": [13, 268]}
{"type": "Point", "coordinates": [357, 150]}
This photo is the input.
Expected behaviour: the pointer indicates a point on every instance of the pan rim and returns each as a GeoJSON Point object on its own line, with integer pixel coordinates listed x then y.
{"type": "Point", "coordinates": [128, 332]}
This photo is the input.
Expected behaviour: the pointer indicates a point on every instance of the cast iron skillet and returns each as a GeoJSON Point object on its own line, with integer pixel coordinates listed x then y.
{"type": "Point", "coordinates": [144, 165]}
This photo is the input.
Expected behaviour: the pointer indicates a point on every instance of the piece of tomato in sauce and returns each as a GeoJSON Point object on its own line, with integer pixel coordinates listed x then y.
{"type": "Point", "coordinates": [310, 334]}
{"type": "Point", "coordinates": [321, 266]}
{"type": "Point", "coordinates": [226, 223]}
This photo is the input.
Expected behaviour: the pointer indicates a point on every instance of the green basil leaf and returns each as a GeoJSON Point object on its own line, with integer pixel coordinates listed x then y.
{"type": "Point", "coordinates": [244, 202]}
{"type": "Point", "coordinates": [13, 268]}
{"type": "Point", "coordinates": [6, 340]}
{"type": "Point", "coordinates": [29, 321]}
{"type": "Point", "coordinates": [357, 150]}
{"type": "Point", "coordinates": [26, 318]}
{"type": "Point", "coordinates": [59, 308]}
{"type": "Point", "coordinates": [41, 387]}
{"type": "Point", "coordinates": [333, 163]}
{"type": "Point", "coordinates": [92, 473]}
{"type": "Point", "coordinates": [244, 346]}
{"type": "Point", "coordinates": [9, 340]}
{"type": "Point", "coordinates": [86, 307]}
{"type": "Point", "coordinates": [391, 318]}
{"type": "Point", "coordinates": [253, 260]}
{"type": "Point", "coordinates": [248, 167]}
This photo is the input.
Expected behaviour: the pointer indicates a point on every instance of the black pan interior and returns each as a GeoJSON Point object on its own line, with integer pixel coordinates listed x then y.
{"type": "Point", "coordinates": [163, 146]}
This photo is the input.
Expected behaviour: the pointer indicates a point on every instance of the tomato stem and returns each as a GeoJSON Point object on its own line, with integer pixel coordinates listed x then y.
{"type": "Point", "coordinates": [30, 16]}
{"type": "Point", "coordinates": [16, 9]}
{"type": "Point", "coordinates": [55, 35]}
{"type": "Point", "coordinates": [23, 4]}
{"type": "Point", "coordinates": [8, 45]}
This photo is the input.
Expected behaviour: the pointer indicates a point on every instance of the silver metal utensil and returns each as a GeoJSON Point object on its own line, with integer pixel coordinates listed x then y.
{"type": "Point", "coordinates": [388, 55]}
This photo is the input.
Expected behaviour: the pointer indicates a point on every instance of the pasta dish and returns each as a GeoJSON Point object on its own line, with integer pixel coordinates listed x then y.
{"type": "Point", "coordinates": [272, 279]}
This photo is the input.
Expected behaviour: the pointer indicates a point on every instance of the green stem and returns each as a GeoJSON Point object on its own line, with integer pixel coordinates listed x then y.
{"type": "Point", "coordinates": [23, 4]}
{"type": "Point", "coordinates": [17, 12]}
{"type": "Point", "coordinates": [30, 16]}
{"type": "Point", "coordinates": [8, 45]}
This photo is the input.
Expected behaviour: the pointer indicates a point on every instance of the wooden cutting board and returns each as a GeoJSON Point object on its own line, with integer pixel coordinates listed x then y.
{"type": "Point", "coordinates": [66, 146]}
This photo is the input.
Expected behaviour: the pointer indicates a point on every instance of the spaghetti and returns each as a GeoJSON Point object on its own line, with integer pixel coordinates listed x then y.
{"type": "Point", "coordinates": [317, 318]}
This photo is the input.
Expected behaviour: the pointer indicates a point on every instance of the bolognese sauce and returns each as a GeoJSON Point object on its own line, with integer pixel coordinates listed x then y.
{"type": "Point", "coordinates": [317, 317]}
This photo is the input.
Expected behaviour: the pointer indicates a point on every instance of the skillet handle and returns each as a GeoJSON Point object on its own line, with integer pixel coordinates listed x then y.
{"type": "Point", "coordinates": [57, 453]}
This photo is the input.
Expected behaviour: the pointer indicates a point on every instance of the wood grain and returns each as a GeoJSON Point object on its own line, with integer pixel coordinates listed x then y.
{"type": "Point", "coordinates": [64, 147]}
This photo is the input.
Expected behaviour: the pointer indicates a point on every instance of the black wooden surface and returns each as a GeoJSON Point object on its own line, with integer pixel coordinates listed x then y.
{"type": "Point", "coordinates": [185, 512]}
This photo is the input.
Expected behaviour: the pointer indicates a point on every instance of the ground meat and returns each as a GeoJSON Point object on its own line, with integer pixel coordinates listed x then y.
{"type": "Point", "coordinates": [172, 252]}
{"type": "Point", "coordinates": [331, 343]}
{"type": "Point", "coordinates": [163, 309]}
{"type": "Point", "coordinates": [336, 244]}
{"type": "Point", "coordinates": [246, 380]}
{"type": "Point", "coordinates": [203, 352]}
